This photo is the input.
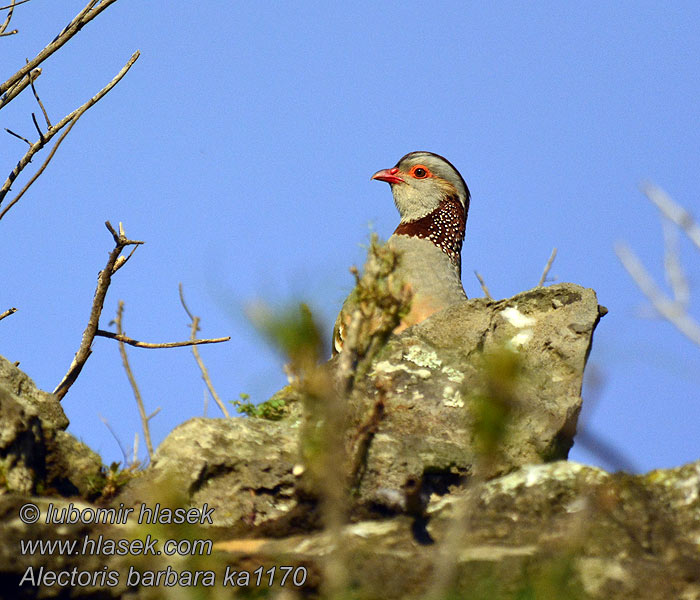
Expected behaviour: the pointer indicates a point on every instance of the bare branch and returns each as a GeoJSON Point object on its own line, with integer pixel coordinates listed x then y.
{"type": "Point", "coordinates": [670, 310]}
{"type": "Point", "coordinates": [5, 24]}
{"type": "Point", "coordinates": [40, 103]}
{"type": "Point", "coordinates": [36, 175]}
{"type": "Point", "coordinates": [114, 435]}
{"type": "Point", "coordinates": [547, 267]}
{"type": "Point", "coordinates": [135, 458]}
{"type": "Point", "coordinates": [8, 312]}
{"type": "Point", "coordinates": [675, 276]}
{"type": "Point", "coordinates": [673, 211]}
{"type": "Point", "coordinates": [69, 120]}
{"type": "Point", "coordinates": [14, 4]}
{"type": "Point", "coordinates": [18, 88]}
{"type": "Point", "coordinates": [11, 7]}
{"type": "Point", "coordinates": [127, 340]}
{"type": "Point", "coordinates": [17, 135]}
{"type": "Point", "coordinates": [482, 283]}
{"type": "Point", "coordinates": [184, 304]}
{"type": "Point", "coordinates": [86, 15]}
{"type": "Point", "coordinates": [205, 373]}
{"type": "Point", "coordinates": [132, 380]}
{"type": "Point", "coordinates": [103, 280]}
{"type": "Point", "coordinates": [38, 129]}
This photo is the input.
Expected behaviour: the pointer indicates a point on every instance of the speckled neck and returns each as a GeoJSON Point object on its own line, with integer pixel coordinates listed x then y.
{"type": "Point", "coordinates": [444, 227]}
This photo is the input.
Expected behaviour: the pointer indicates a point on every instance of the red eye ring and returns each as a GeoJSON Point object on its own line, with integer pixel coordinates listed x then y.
{"type": "Point", "coordinates": [420, 172]}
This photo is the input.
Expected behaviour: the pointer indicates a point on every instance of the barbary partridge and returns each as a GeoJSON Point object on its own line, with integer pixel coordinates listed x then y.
{"type": "Point", "coordinates": [433, 200]}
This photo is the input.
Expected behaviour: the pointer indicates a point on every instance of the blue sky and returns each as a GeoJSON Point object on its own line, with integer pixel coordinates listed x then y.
{"type": "Point", "coordinates": [240, 147]}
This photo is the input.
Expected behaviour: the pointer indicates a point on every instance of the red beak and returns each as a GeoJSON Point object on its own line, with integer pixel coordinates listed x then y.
{"type": "Point", "coordinates": [388, 175]}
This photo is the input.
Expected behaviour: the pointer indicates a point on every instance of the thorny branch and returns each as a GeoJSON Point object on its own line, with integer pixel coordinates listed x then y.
{"type": "Point", "coordinates": [69, 120]}
{"type": "Point", "coordinates": [114, 263]}
{"type": "Point", "coordinates": [194, 328]}
{"type": "Point", "coordinates": [673, 309]}
{"type": "Point", "coordinates": [145, 419]}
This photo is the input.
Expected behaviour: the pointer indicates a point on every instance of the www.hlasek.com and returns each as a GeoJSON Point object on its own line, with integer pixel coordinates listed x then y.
{"type": "Point", "coordinates": [150, 546]}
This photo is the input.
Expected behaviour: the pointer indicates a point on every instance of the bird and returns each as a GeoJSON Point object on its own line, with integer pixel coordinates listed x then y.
{"type": "Point", "coordinates": [433, 202]}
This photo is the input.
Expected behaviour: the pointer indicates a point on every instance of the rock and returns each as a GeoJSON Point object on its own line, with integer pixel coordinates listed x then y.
{"type": "Point", "coordinates": [557, 530]}
{"type": "Point", "coordinates": [427, 380]}
{"type": "Point", "coordinates": [460, 492]}
{"type": "Point", "coordinates": [36, 454]}
{"type": "Point", "coordinates": [243, 467]}
{"type": "Point", "coordinates": [523, 356]}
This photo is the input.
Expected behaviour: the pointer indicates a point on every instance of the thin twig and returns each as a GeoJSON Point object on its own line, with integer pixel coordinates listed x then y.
{"type": "Point", "coordinates": [670, 310]}
{"type": "Point", "coordinates": [14, 4]}
{"type": "Point", "coordinates": [8, 312]}
{"type": "Point", "coordinates": [5, 24]}
{"type": "Point", "coordinates": [114, 435]}
{"type": "Point", "coordinates": [194, 328]}
{"type": "Point", "coordinates": [40, 103]}
{"type": "Point", "coordinates": [103, 280]}
{"type": "Point", "coordinates": [18, 88]}
{"type": "Point", "coordinates": [673, 269]}
{"type": "Point", "coordinates": [38, 129]}
{"type": "Point", "coordinates": [547, 267]}
{"type": "Point", "coordinates": [39, 171]}
{"type": "Point", "coordinates": [675, 212]}
{"type": "Point", "coordinates": [69, 120]}
{"type": "Point", "coordinates": [17, 135]}
{"type": "Point", "coordinates": [79, 21]}
{"type": "Point", "coordinates": [482, 283]}
{"type": "Point", "coordinates": [132, 380]}
{"type": "Point", "coordinates": [123, 339]}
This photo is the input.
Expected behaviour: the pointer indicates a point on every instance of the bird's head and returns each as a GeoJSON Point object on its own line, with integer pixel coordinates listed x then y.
{"type": "Point", "coordinates": [420, 181]}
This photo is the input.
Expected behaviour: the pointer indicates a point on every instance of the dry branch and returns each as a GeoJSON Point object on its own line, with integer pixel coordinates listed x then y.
{"type": "Point", "coordinates": [93, 8]}
{"type": "Point", "coordinates": [672, 311]}
{"type": "Point", "coordinates": [18, 136]}
{"type": "Point", "coordinates": [8, 312]}
{"type": "Point", "coordinates": [673, 211]}
{"type": "Point", "coordinates": [103, 280]}
{"type": "Point", "coordinates": [194, 328]}
{"type": "Point", "coordinates": [482, 283]}
{"type": "Point", "coordinates": [123, 339]}
{"type": "Point", "coordinates": [69, 120]}
{"type": "Point", "coordinates": [14, 4]}
{"type": "Point", "coordinates": [145, 419]}
{"type": "Point", "coordinates": [547, 267]}
{"type": "Point", "coordinates": [675, 276]}
{"type": "Point", "coordinates": [6, 22]}
{"type": "Point", "coordinates": [18, 88]}
{"type": "Point", "coordinates": [40, 103]}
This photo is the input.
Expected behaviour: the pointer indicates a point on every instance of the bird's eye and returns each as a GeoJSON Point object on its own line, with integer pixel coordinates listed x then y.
{"type": "Point", "coordinates": [420, 172]}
